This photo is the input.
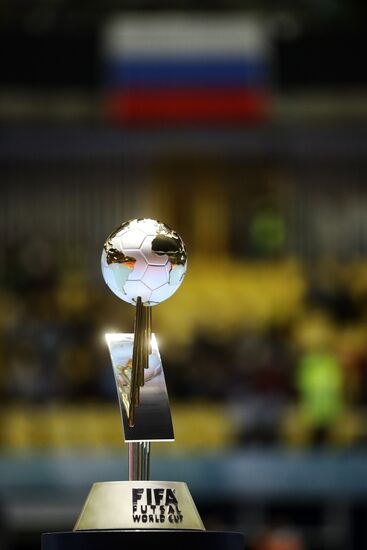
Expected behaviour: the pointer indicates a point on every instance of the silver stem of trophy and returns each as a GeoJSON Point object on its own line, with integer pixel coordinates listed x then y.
{"type": "Point", "coordinates": [139, 461]}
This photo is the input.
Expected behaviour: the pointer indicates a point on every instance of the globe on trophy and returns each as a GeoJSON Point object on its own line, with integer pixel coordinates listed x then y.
{"type": "Point", "coordinates": [143, 262]}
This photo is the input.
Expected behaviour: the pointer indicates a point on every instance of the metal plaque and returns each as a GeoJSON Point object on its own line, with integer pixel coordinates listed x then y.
{"type": "Point", "coordinates": [139, 505]}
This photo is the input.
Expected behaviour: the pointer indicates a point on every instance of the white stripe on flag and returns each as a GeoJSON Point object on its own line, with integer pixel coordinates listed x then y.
{"type": "Point", "coordinates": [171, 36]}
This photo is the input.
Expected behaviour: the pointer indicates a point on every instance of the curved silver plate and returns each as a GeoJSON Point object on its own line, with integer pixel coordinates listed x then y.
{"type": "Point", "coordinates": [153, 420]}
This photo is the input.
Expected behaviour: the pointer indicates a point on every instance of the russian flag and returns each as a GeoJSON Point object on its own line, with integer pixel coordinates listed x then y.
{"type": "Point", "coordinates": [176, 69]}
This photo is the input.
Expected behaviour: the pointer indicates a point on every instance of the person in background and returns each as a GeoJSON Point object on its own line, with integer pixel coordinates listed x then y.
{"type": "Point", "coordinates": [280, 539]}
{"type": "Point", "coordinates": [319, 379]}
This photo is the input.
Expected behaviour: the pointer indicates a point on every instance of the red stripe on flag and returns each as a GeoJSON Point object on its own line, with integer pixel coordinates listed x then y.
{"type": "Point", "coordinates": [154, 106]}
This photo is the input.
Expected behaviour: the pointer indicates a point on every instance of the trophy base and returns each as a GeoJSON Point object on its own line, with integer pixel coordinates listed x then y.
{"type": "Point", "coordinates": [139, 505]}
{"type": "Point", "coordinates": [152, 540]}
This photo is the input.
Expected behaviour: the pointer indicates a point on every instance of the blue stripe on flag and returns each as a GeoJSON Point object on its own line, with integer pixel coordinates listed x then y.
{"type": "Point", "coordinates": [186, 71]}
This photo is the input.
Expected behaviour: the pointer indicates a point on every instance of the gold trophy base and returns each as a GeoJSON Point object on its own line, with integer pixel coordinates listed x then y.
{"type": "Point", "coordinates": [139, 505]}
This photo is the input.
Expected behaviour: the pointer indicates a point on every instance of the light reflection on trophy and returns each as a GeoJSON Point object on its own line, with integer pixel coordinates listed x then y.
{"type": "Point", "coordinates": [143, 263]}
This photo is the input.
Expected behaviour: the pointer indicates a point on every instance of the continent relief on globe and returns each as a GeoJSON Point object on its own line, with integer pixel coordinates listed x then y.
{"type": "Point", "coordinates": [171, 247]}
{"type": "Point", "coordinates": [146, 258]}
{"type": "Point", "coordinates": [120, 264]}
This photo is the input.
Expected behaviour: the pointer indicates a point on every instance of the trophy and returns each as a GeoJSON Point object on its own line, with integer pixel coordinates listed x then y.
{"type": "Point", "coordinates": [143, 262]}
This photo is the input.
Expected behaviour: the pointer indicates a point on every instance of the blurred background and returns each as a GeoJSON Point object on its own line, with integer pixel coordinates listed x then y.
{"type": "Point", "coordinates": [243, 125]}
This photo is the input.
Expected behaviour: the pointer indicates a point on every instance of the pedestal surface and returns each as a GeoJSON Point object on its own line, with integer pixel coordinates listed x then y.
{"type": "Point", "coordinates": [141, 540]}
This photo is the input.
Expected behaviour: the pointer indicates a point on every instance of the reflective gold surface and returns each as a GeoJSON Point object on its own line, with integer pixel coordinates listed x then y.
{"type": "Point", "coordinates": [136, 381]}
{"type": "Point", "coordinates": [170, 243]}
{"type": "Point", "coordinates": [139, 505]}
{"type": "Point", "coordinates": [141, 352]}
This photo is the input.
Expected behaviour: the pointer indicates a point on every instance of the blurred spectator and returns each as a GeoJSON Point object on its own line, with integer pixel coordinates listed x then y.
{"type": "Point", "coordinates": [280, 539]}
